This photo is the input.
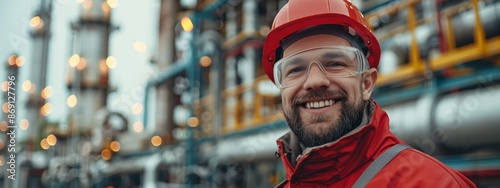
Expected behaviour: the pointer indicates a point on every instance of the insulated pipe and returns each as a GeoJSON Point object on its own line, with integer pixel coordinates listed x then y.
{"type": "Point", "coordinates": [250, 148]}
{"type": "Point", "coordinates": [470, 120]}
{"type": "Point", "coordinates": [456, 122]}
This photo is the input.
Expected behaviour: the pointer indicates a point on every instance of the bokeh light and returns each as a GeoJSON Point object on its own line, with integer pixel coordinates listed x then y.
{"type": "Point", "coordinates": [20, 61]}
{"type": "Point", "coordinates": [137, 108]}
{"type": "Point", "coordinates": [187, 24]}
{"type": "Point", "coordinates": [106, 154]}
{"type": "Point", "coordinates": [36, 22]}
{"type": "Point", "coordinates": [5, 86]}
{"type": "Point", "coordinates": [140, 46]}
{"type": "Point", "coordinates": [3, 126]}
{"type": "Point", "coordinates": [115, 146]}
{"type": "Point", "coordinates": [205, 61]}
{"type": "Point", "coordinates": [24, 124]}
{"type": "Point", "coordinates": [111, 62]}
{"type": "Point", "coordinates": [51, 140]}
{"type": "Point", "coordinates": [74, 60]}
{"type": "Point", "coordinates": [46, 109]}
{"type": "Point", "coordinates": [193, 122]}
{"type": "Point", "coordinates": [138, 127]}
{"type": "Point", "coordinates": [72, 101]}
{"type": "Point", "coordinates": [44, 144]}
{"type": "Point", "coordinates": [27, 85]}
{"type": "Point", "coordinates": [156, 140]}
{"type": "Point", "coordinates": [47, 92]}
{"type": "Point", "coordinates": [112, 3]}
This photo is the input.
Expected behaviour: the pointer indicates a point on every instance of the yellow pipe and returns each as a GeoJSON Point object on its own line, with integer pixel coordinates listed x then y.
{"type": "Point", "coordinates": [450, 36]}
{"type": "Point", "coordinates": [414, 51]}
{"type": "Point", "coordinates": [239, 38]}
{"type": "Point", "coordinates": [466, 54]}
{"type": "Point", "coordinates": [478, 29]}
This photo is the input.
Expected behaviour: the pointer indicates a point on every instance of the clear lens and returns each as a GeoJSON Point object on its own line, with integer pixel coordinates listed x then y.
{"type": "Point", "coordinates": [334, 61]}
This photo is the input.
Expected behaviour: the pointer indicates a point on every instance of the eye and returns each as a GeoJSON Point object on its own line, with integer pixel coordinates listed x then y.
{"type": "Point", "coordinates": [294, 70]}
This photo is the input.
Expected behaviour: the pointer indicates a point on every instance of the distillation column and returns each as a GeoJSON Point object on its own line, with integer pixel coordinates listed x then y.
{"type": "Point", "coordinates": [88, 79]}
{"type": "Point", "coordinates": [88, 73]}
{"type": "Point", "coordinates": [166, 55]}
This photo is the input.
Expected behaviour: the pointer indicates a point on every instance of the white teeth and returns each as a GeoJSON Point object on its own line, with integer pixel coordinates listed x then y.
{"type": "Point", "coordinates": [319, 104]}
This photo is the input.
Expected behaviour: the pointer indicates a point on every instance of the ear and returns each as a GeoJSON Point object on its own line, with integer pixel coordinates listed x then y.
{"type": "Point", "coordinates": [368, 83]}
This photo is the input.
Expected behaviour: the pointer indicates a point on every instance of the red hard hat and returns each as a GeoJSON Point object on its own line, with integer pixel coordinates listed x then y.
{"type": "Point", "coordinates": [297, 15]}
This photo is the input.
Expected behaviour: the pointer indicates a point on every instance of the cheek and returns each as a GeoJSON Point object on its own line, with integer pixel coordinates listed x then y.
{"type": "Point", "coordinates": [286, 101]}
{"type": "Point", "coordinates": [287, 96]}
{"type": "Point", "coordinates": [352, 87]}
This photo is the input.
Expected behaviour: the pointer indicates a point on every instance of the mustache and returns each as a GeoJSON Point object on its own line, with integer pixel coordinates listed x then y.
{"type": "Point", "coordinates": [313, 95]}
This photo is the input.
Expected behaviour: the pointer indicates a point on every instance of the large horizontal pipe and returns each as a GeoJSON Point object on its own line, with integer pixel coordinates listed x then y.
{"type": "Point", "coordinates": [460, 122]}
{"type": "Point", "coordinates": [261, 146]}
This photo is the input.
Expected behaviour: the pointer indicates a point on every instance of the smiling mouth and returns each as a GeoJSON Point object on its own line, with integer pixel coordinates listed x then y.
{"type": "Point", "coordinates": [319, 104]}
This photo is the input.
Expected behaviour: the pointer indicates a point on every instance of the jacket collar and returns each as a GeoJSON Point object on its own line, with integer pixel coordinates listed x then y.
{"type": "Point", "coordinates": [339, 158]}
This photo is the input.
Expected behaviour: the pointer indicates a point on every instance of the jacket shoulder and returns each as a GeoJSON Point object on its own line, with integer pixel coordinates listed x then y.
{"type": "Point", "coordinates": [412, 168]}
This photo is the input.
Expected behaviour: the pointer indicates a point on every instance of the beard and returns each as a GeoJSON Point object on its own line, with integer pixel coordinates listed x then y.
{"type": "Point", "coordinates": [350, 117]}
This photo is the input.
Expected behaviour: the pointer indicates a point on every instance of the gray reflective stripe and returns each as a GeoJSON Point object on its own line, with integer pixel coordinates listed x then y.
{"type": "Point", "coordinates": [378, 164]}
{"type": "Point", "coordinates": [281, 184]}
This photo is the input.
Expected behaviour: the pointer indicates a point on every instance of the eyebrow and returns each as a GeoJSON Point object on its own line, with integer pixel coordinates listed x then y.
{"type": "Point", "coordinates": [293, 61]}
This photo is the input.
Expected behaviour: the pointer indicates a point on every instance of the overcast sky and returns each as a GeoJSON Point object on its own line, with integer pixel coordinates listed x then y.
{"type": "Point", "coordinates": [137, 21]}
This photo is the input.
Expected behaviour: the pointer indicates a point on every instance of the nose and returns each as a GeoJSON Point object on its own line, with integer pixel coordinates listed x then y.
{"type": "Point", "coordinates": [316, 78]}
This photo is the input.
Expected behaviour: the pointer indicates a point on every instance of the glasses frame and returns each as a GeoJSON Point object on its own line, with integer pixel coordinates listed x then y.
{"type": "Point", "coordinates": [362, 64]}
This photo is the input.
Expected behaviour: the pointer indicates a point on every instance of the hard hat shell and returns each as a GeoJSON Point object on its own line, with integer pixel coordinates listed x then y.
{"type": "Point", "coordinates": [301, 14]}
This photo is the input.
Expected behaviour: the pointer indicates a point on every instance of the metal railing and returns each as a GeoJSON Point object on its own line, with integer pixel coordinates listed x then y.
{"type": "Point", "coordinates": [481, 47]}
{"type": "Point", "coordinates": [239, 112]}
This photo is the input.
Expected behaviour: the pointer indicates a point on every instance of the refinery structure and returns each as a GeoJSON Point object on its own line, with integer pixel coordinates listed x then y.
{"type": "Point", "coordinates": [210, 116]}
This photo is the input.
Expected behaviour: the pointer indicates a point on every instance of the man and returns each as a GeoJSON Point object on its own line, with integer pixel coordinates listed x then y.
{"type": "Point", "coordinates": [324, 59]}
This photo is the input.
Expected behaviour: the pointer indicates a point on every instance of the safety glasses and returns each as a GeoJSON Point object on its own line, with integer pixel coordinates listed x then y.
{"type": "Point", "coordinates": [333, 61]}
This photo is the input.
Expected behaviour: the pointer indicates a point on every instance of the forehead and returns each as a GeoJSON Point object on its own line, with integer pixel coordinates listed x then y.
{"type": "Point", "coordinates": [315, 41]}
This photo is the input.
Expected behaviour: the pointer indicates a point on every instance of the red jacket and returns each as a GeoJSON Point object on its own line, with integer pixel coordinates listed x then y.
{"type": "Point", "coordinates": [340, 163]}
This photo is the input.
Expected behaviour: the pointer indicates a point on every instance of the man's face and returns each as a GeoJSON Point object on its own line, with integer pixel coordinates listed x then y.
{"type": "Point", "coordinates": [322, 109]}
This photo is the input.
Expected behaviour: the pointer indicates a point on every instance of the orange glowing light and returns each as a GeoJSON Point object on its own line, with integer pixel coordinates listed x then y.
{"type": "Point", "coordinates": [20, 61]}
{"type": "Point", "coordinates": [106, 154]}
{"type": "Point", "coordinates": [205, 61]}
{"type": "Point", "coordinates": [187, 24]}
{"type": "Point", "coordinates": [36, 22]}
{"type": "Point", "coordinates": [47, 92]}
{"type": "Point", "coordinates": [44, 144]}
{"type": "Point", "coordinates": [3, 126]}
{"type": "Point", "coordinates": [5, 86]}
{"type": "Point", "coordinates": [24, 124]}
{"type": "Point", "coordinates": [115, 146]}
{"type": "Point", "coordinates": [156, 140]}
{"type": "Point", "coordinates": [193, 122]}
{"type": "Point", "coordinates": [82, 64]}
{"type": "Point", "coordinates": [12, 60]}
{"type": "Point", "coordinates": [46, 109]}
{"type": "Point", "coordinates": [51, 140]}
